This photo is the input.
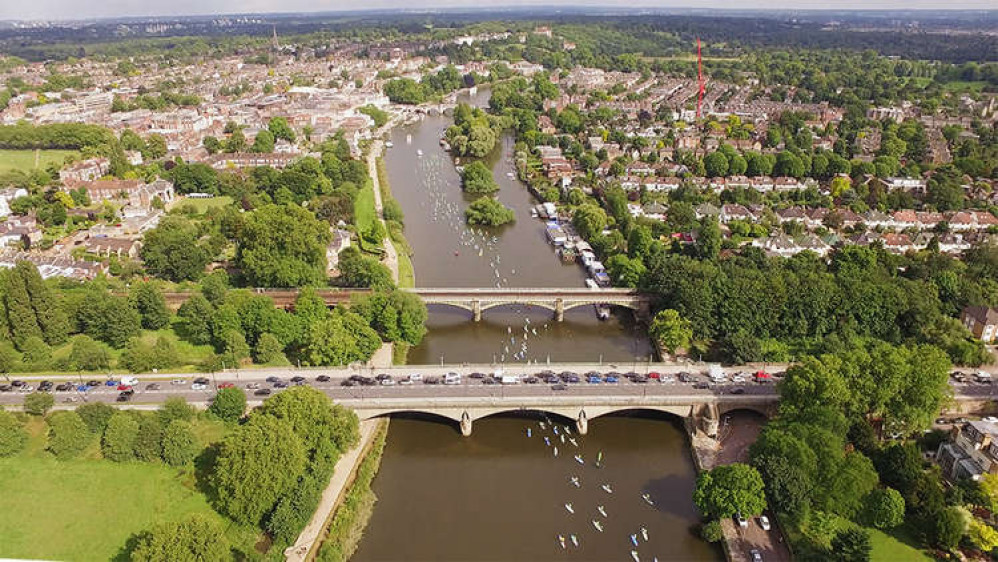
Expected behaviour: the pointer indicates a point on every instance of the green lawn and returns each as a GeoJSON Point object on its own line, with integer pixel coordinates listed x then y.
{"type": "Point", "coordinates": [202, 205]}
{"type": "Point", "coordinates": [887, 548]}
{"type": "Point", "coordinates": [86, 509]}
{"type": "Point", "coordinates": [27, 160]}
{"type": "Point", "coordinates": [365, 214]}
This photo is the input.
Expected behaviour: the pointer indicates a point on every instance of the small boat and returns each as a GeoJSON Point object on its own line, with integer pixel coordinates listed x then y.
{"type": "Point", "coordinates": [567, 430]}
{"type": "Point", "coordinates": [573, 442]}
{"type": "Point", "coordinates": [601, 510]}
{"type": "Point", "coordinates": [509, 174]}
{"type": "Point", "coordinates": [556, 451]}
{"type": "Point", "coordinates": [578, 458]}
{"type": "Point", "coordinates": [598, 525]}
{"type": "Point", "coordinates": [569, 507]}
{"type": "Point", "coordinates": [575, 480]}
{"type": "Point", "coordinates": [647, 498]}
{"type": "Point", "coordinates": [547, 441]}
{"type": "Point", "coordinates": [607, 488]}
{"type": "Point", "coordinates": [644, 534]}
{"type": "Point", "coordinates": [561, 541]}
{"type": "Point", "coordinates": [542, 425]}
{"type": "Point", "coordinates": [389, 144]}
{"type": "Point", "coordinates": [599, 460]}
{"type": "Point", "coordinates": [575, 540]}
{"type": "Point", "coordinates": [419, 152]}
{"type": "Point", "coordinates": [529, 434]}
{"type": "Point", "coordinates": [408, 139]}
{"type": "Point", "coordinates": [555, 429]}
{"type": "Point", "coordinates": [634, 540]}
{"type": "Point", "coordinates": [563, 439]}
{"type": "Point", "coordinates": [634, 555]}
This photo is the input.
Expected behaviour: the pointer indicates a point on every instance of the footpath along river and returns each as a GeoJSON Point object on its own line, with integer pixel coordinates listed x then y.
{"type": "Point", "coordinates": [500, 494]}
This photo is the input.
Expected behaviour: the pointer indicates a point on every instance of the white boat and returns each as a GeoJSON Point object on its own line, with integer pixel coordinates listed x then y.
{"type": "Point", "coordinates": [562, 439]}
{"type": "Point", "coordinates": [575, 480]}
{"type": "Point", "coordinates": [389, 144]}
{"type": "Point", "coordinates": [419, 152]}
{"type": "Point", "coordinates": [603, 311]}
{"type": "Point", "coordinates": [573, 442]}
{"type": "Point", "coordinates": [567, 430]}
{"type": "Point", "coordinates": [408, 139]}
{"type": "Point", "coordinates": [561, 541]}
{"type": "Point", "coordinates": [644, 534]}
{"type": "Point", "coordinates": [556, 451]}
{"type": "Point", "coordinates": [647, 498]}
{"type": "Point", "coordinates": [598, 525]}
{"type": "Point", "coordinates": [554, 429]}
{"type": "Point", "coordinates": [601, 510]}
{"type": "Point", "coordinates": [569, 507]}
{"type": "Point", "coordinates": [634, 555]}
{"type": "Point", "coordinates": [542, 425]}
{"type": "Point", "coordinates": [529, 433]}
{"type": "Point", "coordinates": [578, 459]}
{"type": "Point", "coordinates": [575, 540]}
{"type": "Point", "coordinates": [607, 488]}
{"type": "Point", "coordinates": [509, 174]}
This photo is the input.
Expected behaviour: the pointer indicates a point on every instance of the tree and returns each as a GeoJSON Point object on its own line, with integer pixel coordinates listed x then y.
{"type": "Point", "coordinates": [884, 508]}
{"type": "Point", "coordinates": [118, 443]}
{"type": "Point", "coordinates": [229, 404]}
{"type": "Point", "coordinates": [845, 491]}
{"type": "Point", "coordinates": [195, 315]}
{"type": "Point", "coordinates": [180, 444]}
{"type": "Point", "coordinates": [358, 270]}
{"type": "Point", "coordinates": [788, 487]}
{"type": "Point", "coordinates": [149, 441]}
{"type": "Point", "coordinates": [708, 242]}
{"type": "Point", "coordinates": [279, 127]}
{"type": "Point", "coordinates": [88, 355]}
{"type": "Point", "coordinates": [716, 164]}
{"type": "Point", "coordinates": [488, 211]}
{"type": "Point", "coordinates": [38, 403]}
{"type": "Point", "coordinates": [477, 179]}
{"type": "Point", "coordinates": [712, 531]}
{"type": "Point", "coordinates": [108, 318]}
{"type": "Point", "coordinates": [174, 250]}
{"type": "Point", "coordinates": [730, 489]}
{"type": "Point", "coordinates": [268, 349]}
{"type": "Point", "coordinates": [625, 271]}
{"type": "Point", "coordinates": [589, 220]}
{"type": "Point", "coordinates": [671, 330]}
{"type": "Point", "coordinates": [68, 435]}
{"type": "Point", "coordinates": [195, 538]}
{"type": "Point", "coordinates": [982, 535]}
{"type": "Point", "coordinates": [13, 436]}
{"type": "Point", "coordinates": [49, 315]}
{"type": "Point", "coordinates": [96, 415]}
{"type": "Point", "coordinates": [257, 464]}
{"type": "Point", "coordinates": [263, 143]}
{"type": "Point", "coordinates": [948, 526]}
{"type": "Point", "coordinates": [175, 408]}
{"type": "Point", "coordinates": [148, 300]}
{"type": "Point", "coordinates": [283, 246]}
{"type": "Point", "coordinates": [852, 545]}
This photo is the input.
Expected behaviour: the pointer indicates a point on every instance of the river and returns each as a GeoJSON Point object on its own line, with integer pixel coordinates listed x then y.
{"type": "Point", "coordinates": [500, 494]}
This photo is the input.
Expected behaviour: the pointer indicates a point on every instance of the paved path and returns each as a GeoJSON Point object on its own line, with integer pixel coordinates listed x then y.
{"type": "Point", "coordinates": [391, 256]}
{"type": "Point", "coordinates": [343, 475]}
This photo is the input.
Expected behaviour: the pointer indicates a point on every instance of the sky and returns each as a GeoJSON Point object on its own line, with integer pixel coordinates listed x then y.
{"type": "Point", "coordinates": [81, 9]}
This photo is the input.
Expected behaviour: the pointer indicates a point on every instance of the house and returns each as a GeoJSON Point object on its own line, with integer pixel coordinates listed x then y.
{"type": "Point", "coordinates": [915, 185]}
{"type": "Point", "coordinates": [8, 195]}
{"type": "Point", "coordinates": [971, 451]}
{"type": "Point", "coordinates": [107, 246]}
{"type": "Point", "coordinates": [734, 211]}
{"type": "Point", "coordinates": [707, 210]}
{"type": "Point", "coordinates": [982, 322]}
{"type": "Point", "coordinates": [250, 160]}
{"type": "Point", "coordinates": [18, 230]}
{"type": "Point", "coordinates": [86, 170]}
{"type": "Point", "coordinates": [897, 243]}
{"type": "Point", "coordinates": [791, 214]}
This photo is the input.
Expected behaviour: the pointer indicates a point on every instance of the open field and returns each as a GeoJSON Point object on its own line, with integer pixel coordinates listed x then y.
{"type": "Point", "coordinates": [86, 509]}
{"type": "Point", "coordinates": [27, 160]}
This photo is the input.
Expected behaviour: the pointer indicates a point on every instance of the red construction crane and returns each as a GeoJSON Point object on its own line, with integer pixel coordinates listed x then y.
{"type": "Point", "coordinates": [700, 80]}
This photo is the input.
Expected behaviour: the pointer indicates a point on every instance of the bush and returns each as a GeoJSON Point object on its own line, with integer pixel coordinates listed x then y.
{"type": "Point", "coordinates": [175, 408]}
{"type": "Point", "coordinates": [38, 403]}
{"type": "Point", "coordinates": [13, 436]}
{"type": "Point", "coordinates": [196, 538]}
{"type": "Point", "coordinates": [96, 415]}
{"type": "Point", "coordinates": [489, 212]}
{"type": "Point", "coordinates": [711, 531]}
{"type": "Point", "coordinates": [68, 435]}
{"type": "Point", "coordinates": [294, 510]}
{"type": "Point", "coordinates": [119, 438]}
{"type": "Point", "coordinates": [477, 179]}
{"type": "Point", "coordinates": [229, 404]}
{"type": "Point", "coordinates": [149, 441]}
{"type": "Point", "coordinates": [180, 445]}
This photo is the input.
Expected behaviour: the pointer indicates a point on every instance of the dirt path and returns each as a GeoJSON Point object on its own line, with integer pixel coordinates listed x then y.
{"type": "Point", "coordinates": [342, 476]}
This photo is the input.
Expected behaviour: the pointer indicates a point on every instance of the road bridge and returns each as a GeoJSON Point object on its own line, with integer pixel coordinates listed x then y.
{"type": "Point", "coordinates": [476, 301]}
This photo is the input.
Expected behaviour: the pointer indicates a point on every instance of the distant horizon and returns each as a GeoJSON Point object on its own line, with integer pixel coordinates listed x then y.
{"type": "Point", "coordinates": [71, 10]}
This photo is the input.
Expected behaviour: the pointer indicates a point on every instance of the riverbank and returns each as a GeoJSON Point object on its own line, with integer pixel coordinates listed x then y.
{"type": "Point", "coordinates": [344, 474]}
{"type": "Point", "coordinates": [406, 277]}
{"type": "Point", "coordinates": [346, 526]}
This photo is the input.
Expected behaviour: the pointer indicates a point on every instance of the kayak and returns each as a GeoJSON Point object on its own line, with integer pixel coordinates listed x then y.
{"type": "Point", "coordinates": [575, 480]}
{"type": "Point", "coordinates": [644, 534]}
{"type": "Point", "coordinates": [561, 541]}
{"type": "Point", "coordinates": [575, 540]}
{"type": "Point", "coordinates": [634, 540]}
{"type": "Point", "coordinates": [647, 498]}
{"type": "Point", "coordinates": [599, 527]}
{"type": "Point", "coordinates": [634, 555]}
{"type": "Point", "coordinates": [571, 509]}
{"type": "Point", "coordinates": [578, 459]}
{"type": "Point", "coordinates": [601, 511]}
{"type": "Point", "coordinates": [607, 488]}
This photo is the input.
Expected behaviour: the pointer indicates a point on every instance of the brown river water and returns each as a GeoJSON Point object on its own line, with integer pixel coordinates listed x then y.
{"type": "Point", "coordinates": [500, 495]}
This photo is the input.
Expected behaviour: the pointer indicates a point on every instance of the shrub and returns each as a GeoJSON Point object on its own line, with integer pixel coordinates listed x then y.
{"type": "Point", "coordinates": [175, 408]}
{"type": "Point", "coordinates": [38, 403]}
{"type": "Point", "coordinates": [13, 436]}
{"type": "Point", "coordinates": [294, 510]}
{"type": "Point", "coordinates": [68, 435]}
{"type": "Point", "coordinates": [180, 445]}
{"type": "Point", "coordinates": [96, 415]}
{"type": "Point", "coordinates": [149, 441]}
{"type": "Point", "coordinates": [711, 531]}
{"type": "Point", "coordinates": [229, 404]}
{"type": "Point", "coordinates": [196, 538]}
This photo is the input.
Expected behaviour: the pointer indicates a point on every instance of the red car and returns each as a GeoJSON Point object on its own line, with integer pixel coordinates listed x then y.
{"type": "Point", "coordinates": [654, 376]}
{"type": "Point", "coordinates": [124, 387]}
{"type": "Point", "coordinates": [226, 385]}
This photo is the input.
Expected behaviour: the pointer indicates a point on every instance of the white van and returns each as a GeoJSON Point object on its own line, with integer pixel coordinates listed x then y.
{"type": "Point", "coordinates": [452, 378]}
{"type": "Point", "coordinates": [131, 381]}
{"type": "Point", "coordinates": [716, 374]}
{"type": "Point", "coordinates": [510, 379]}
{"type": "Point", "coordinates": [983, 377]}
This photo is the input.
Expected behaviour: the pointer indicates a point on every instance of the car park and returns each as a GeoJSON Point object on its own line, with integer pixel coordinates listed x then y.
{"type": "Point", "coordinates": [764, 523]}
{"type": "Point", "coordinates": [322, 378]}
{"type": "Point", "coordinates": [262, 392]}
{"type": "Point", "coordinates": [153, 386]}
{"type": "Point", "coordinates": [199, 386]}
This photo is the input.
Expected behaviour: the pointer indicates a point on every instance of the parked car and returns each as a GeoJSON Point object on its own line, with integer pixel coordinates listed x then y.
{"type": "Point", "coordinates": [322, 378]}
{"type": "Point", "coordinates": [559, 386]}
{"type": "Point", "coordinates": [272, 379]}
{"type": "Point", "coordinates": [199, 386]}
{"type": "Point", "coordinates": [489, 380]}
{"type": "Point", "coordinates": [226, 385]}
{"type": "Point", "coordinates": [153, 386]}
{"type": "Point", "coordinates": [431, 380]}
{"type": "Point", "coordinates": [83, 388]}
{"type": "Point", "coordinates": [26, 388]}
{"type": "Point", "coordinates": [124, 397]}
{"type": "Point", "coordinates": [367, 381]}
{"type": "Point", "coordinates": [349, 382]}
{"type": "Point", "coordinates": [738, 391]}
{"type": "Point", "coordinates": [685, 377]}
{"type": "Point", "coordinates": [91, 384]}
{"type": "Point", "coordinates": [17, 384]}
{"type": "Point", "coordinates": [262, 392]}
{"type": "Point", "coordinates": [111, 383]}
{"type": "Point", "coordinates": [611, 379]}
{"type": "Point", "coordinates": [640, 379]}
{"type": "Point", "coordinates": [416, 377]}
{"type": "Point", "coordinates": [756, 555]}
{"type": "Point", "coordinates": [124, 387]}
{"type": "Point", "coordinates": [764, 523]}
{"type": "Point", "coordinates": [201, 380]}
{"type": "Point", "coordinates": [175, 381]}
{"type": "Point", "coordinates": [654, 376]}
{"type": "Point", "coordinates": [6, 388]}
{"type": "Point", "coordinates": [476, 376]}
{"type": "Point", "coordinates": [742, 522]}
{"type": "Point", "coordinates": [253, 385]}
{"type": "Point", "coordinates": [280, 384]}
{"type": "Point", "coordinates": [297, 379]}
{"type": "Point", "coordinates": [45, 386]}
{"type": "Point", "coordinates": [594, 379]}
{"type": "Point", "coordinates": [389, 381]}
{"type": "Point", "coordinates": [701, 386]}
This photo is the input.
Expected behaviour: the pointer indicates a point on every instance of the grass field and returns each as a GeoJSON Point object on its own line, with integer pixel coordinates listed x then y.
{"type": "Point", "coordinates": [365, 214]}
{"type": "Point", "coordinates": [86, 509]}
{"type": "Point", "coordinates": [887, 548]}
{"type": "Point", "coordinates": [202, 205]}
{"type": "Point", "coordinates": [27, 160]}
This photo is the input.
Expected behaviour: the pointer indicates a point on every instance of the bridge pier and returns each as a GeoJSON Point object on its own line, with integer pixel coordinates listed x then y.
{"type": "Point", "coordinates": [476, 310]}
{"type": "Point", "coordinates": [465, 424]}
{"type": "Point", "coordinates": [582, 423]}
{"type": "Point", "coordinates": [559, 310]}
